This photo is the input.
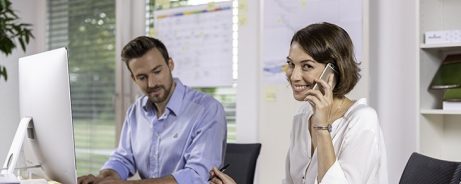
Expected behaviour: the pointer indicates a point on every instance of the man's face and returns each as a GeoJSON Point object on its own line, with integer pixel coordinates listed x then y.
{"type": "Point", "coordinates": [153, 75]}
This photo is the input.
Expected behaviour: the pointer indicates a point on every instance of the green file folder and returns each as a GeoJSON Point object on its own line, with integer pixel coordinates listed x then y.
{"type": "Point", "coordinates": [449, 73]}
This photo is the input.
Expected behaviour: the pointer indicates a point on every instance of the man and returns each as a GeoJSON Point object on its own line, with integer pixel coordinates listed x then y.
{"type": "Point", "coordinates": [172, 134]}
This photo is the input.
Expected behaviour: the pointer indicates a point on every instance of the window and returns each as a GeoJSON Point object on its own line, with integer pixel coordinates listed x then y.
{"type": "Point", "coordinates": [87, 29]}
{"type": "Point", "coordinates": [226, 95]}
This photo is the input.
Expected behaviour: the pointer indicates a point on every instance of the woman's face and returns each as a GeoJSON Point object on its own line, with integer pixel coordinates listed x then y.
{"type": "Point", "coordinates": [302, 70]}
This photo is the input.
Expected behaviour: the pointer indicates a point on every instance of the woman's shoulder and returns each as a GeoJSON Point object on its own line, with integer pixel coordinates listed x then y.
{"type": "Point", "coordinates": [360, 113]}
{"type": "Point", "coordinates": [360, 108]}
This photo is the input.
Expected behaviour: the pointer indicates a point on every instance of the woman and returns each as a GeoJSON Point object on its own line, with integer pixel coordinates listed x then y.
{"type": "Point", "coordinates": [333, 139]}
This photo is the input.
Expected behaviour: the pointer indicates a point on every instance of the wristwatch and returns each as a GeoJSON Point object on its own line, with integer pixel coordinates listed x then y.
{"type": "Point", "coordinates": [328, 127]}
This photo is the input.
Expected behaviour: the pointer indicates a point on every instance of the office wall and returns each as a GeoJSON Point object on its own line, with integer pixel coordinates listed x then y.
{"type": "Point", "coordinates": [248, 71]}
{"type": "Point", "coordinates": [393, 78]}
{"type": "Point", "coordinates": [33, 12]}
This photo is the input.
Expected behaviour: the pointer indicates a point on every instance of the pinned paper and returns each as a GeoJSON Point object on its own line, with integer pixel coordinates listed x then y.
{"type": "Point", "coordinates": [270, 94]}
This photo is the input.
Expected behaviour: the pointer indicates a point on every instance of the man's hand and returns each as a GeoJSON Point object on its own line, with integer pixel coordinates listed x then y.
{"type": "Point", "coordinates": [89, 179]}
{"type": "Point", "coordinates": [104, 175]}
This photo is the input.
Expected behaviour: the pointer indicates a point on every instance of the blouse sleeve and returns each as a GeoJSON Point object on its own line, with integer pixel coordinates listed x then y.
{"type": "Point", "coordinates": [334, 174]}
{"type": "Point", "coordinates": [359, 154]}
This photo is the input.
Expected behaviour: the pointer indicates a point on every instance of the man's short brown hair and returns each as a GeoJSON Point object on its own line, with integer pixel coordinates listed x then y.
{"type": "Point", "coordinates": [139, 46]}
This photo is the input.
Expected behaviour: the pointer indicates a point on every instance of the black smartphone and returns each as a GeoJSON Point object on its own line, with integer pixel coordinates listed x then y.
{"type": "Point", "coordinates": [329, 69]}
{"type": "Point", "coordinates": [222, 170]}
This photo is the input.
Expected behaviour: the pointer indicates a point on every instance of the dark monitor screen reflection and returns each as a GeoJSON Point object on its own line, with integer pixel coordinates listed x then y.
{"type": "Point", "coordinates": [44, 95]}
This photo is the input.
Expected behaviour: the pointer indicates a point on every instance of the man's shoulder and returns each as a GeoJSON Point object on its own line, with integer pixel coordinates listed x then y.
{"type": "Point", "coordinates": [137, 104]}
{"type": "Point", "coordinates": [200, 98]}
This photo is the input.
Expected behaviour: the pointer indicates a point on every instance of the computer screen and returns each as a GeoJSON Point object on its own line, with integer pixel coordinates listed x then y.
{"type": "Point", "coordinates": [44, 95]}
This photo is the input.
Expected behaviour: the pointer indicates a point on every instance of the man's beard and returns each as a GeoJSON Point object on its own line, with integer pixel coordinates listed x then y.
{"type": "Point", "coordinates": [160, 97]}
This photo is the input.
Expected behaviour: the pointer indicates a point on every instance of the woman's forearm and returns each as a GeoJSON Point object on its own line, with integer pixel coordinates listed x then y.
{"type": "Point", "coordinates": [325, 152]}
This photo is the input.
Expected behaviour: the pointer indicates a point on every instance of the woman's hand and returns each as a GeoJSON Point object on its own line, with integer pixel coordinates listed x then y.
{"type": "Point", "coordinates": [219, 177]}
{"type": "Point", "coordinates": [321, 103]}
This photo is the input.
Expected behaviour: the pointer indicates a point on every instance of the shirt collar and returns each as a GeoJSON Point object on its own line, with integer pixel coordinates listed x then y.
{"type": "Point", "coordinates": [175, 101]}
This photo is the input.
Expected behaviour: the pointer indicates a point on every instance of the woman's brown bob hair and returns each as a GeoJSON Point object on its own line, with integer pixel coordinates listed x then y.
{"type": "Point", "coordinates": [329, 43]}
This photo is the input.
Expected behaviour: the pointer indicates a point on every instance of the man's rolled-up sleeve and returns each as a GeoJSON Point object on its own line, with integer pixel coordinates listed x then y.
{"type": "Point", "coordinates": [122, 160]}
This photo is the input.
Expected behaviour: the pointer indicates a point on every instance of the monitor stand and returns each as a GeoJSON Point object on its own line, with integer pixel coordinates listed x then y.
{"type": "Point", "coordinates": [7, 172]}
{"type": "Point", "coordinates": [26, 126]}
{"type": "Point", "coordinates": [12, 157]}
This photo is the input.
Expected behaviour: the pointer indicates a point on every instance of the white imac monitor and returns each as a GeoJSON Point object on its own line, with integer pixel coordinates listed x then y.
{"type": "Point", "coordinates": [44, 96]}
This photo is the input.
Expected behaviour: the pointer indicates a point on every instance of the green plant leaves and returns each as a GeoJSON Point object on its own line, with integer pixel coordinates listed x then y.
{"type": "Point", "coordinates": [11, 32]}
{"type": "Point", "coordinates": [3, 4]}
{"type": "Point", "coordinates": [6, 45]}
{"type": "Point", "coordinates": [3, 73]}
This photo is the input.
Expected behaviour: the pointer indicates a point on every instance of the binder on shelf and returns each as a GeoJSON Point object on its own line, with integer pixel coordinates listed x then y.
{"type": "Point", "coordinates": [452, 99]}
{"type": "Point", "coordinates": [449, 73]}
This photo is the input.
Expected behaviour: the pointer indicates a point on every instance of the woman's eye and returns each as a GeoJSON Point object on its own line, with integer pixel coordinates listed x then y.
{"type": "Point", "coordinates": [290, 64]}
{"type": "Point", "coordinates": [306, 67]}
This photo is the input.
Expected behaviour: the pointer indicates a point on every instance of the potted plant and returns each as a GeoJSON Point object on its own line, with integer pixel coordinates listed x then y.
{"type": "Point", "coordinates": [11, 33]}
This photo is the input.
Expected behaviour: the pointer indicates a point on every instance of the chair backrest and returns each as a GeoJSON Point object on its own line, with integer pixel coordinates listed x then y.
{"type": "Point", "coordinates": [422, 169]}
{"type": "Point", "coordinates": [456, 176]}
{"type": "Point", "coordinates": [242, 159]}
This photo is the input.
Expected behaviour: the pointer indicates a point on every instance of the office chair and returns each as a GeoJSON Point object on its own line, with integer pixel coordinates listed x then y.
{"type": "Point", "coordinates": [242, 159]}
{"type": "Point", "coordinates": [457, 176]}
{"type": "Point", "coordinates": [422, 169]}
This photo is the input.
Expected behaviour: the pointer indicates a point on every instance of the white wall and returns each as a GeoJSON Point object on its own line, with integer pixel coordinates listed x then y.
{"type": "Point", "coordinates": [393, 42]}
{"type": "Point", "coordinates": [248, 71]}
{"type": "Point", "coordinates": [33, 12]}
{"type": "Point", "coordinates": [130, 22]}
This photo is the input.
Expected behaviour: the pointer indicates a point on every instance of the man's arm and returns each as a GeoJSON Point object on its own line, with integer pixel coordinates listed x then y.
{"type": "Point", "coordinates": [207, 146]}
{"type": "Point", "coordinates": [162, 180]}
{"type": "Point", "coordinates": [121, 160]}
{"type": "Point", "coordinates": [109, 176]}
{"type": "Point", "coordinates": [120, 163]}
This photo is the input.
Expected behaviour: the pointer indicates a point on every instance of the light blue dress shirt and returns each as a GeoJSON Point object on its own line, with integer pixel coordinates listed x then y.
{"type": "Point", "coordinates": [185, 142]}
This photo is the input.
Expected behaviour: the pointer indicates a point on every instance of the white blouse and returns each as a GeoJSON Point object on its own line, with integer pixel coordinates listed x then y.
{"type": "Point", "coordinates": [358, 143]}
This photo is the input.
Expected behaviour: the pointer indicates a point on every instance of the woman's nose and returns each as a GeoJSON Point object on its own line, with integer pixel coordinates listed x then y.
{"type": "Point", "coordinates": [296, 74]}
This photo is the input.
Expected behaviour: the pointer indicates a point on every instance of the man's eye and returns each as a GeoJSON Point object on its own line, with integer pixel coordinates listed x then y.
{"type": "Point", "coordinates": [141, 78]}
{"type": "Point", "coordinates": [157, 71]}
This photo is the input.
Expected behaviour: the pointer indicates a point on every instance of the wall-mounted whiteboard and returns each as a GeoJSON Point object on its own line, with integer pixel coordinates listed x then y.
{"type": "Point", "coordinates": [199, 40]}
{"type": "Point", "coordinates": [282, 18]}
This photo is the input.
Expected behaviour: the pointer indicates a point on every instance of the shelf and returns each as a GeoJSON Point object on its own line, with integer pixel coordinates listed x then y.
{"type": "Point", "coordinates": [447, 46]}
{"type": "Point", "coordinates": [439, 111]}
{"type": "Point", "coordinates": [438, 131]}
